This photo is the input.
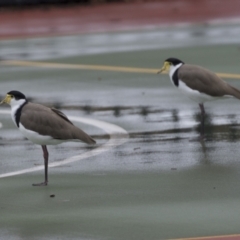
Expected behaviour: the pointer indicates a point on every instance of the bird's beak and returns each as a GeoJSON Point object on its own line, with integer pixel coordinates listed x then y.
{"type": "Point", "coordinates": [7, 99]}
{"type": "Point", "coordinates": [165, 67]}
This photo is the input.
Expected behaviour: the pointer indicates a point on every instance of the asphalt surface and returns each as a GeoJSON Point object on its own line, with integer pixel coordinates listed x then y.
{"type": "Point", "coordinates": [156, 185]}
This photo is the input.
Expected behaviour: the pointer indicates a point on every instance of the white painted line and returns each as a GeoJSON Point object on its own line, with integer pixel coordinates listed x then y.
{"type": "Point", "coordinates": [117, 136]}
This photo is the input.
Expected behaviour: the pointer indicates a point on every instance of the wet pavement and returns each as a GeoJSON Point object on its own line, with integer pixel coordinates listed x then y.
{"type": "Point", "coordinates": [185, 35]}
{"type": "Point", "coordinates": [158, 185]}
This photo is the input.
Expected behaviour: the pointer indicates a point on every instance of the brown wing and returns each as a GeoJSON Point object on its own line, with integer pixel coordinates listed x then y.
{"type": "Point", "coordinates": [51, 122]}
{"type": "Point", "coordinates": [205, 81]}
{"type": "Point", "coordinates": [61, 114]}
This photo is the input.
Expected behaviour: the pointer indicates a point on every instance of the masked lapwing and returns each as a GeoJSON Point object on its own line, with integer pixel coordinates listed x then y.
{"type": "Point", "coordinates": [43, 125]}
{"type": "Point", "coordinates": [198, 83]}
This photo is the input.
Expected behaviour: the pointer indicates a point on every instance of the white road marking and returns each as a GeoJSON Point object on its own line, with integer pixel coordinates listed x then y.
{"type": "Point", "coordinates": [117, 136]}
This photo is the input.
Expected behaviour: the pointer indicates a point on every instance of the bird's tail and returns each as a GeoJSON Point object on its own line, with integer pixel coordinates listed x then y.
{"type": "Point", "coordinates": [79, 134]}
{"type": "Point", "coordinates": [234, 92]}
{"type": "Point", "coordinates": [91, 140]}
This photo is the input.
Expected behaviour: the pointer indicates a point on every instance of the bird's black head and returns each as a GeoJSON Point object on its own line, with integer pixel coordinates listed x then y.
{"type": "Point", "coordinates": [174, 61]}
{"type": "Point", "coordinates": [16, 94]}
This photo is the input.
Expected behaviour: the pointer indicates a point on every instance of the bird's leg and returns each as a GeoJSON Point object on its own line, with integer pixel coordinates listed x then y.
{"type": "Point", "coordinates": [201, 137]}
{"type": "Point", "coordinates": [202, 119]}
{"type": "Point", "coordinates": [45, 156]}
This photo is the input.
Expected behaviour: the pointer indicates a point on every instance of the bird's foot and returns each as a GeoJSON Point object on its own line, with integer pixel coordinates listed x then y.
{"type": "Point", "coordinates": [40, 184]}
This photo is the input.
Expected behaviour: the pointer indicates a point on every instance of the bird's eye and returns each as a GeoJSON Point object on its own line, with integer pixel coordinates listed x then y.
{"type": "Point", "coordinates": [11, 96]}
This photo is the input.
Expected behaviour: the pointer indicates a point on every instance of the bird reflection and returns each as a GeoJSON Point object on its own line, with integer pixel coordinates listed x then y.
{"type": "Point", "coordinates": [221, 132]}
{"type": "Point", "coordinates": [87, 109]}
{"type": "Point", "coordinates": [116, 111]}
{"type": "Point", "coordinates": [208, 122]}
{"type": "Point", "coordinates": [175, 115]}
{"type": "Point", "coordinates": [144, 111]}
{"type": "Point", "coordinates": [227, 131]}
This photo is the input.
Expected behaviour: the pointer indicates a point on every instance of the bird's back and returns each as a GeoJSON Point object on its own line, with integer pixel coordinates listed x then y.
{"type": "Point", "coordinates": [205, 81]}
{"type": "Point", "coordinates": [51, 122]}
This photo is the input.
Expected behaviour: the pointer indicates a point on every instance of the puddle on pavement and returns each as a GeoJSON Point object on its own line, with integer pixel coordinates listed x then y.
{"type": "Point", "coordinates": [146, 146]}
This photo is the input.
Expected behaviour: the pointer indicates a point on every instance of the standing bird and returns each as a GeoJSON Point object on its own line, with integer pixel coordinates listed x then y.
{"type": "Point", "coordinates": [199, 84]}
{"type": "Point", "coordinates": [43, 125]}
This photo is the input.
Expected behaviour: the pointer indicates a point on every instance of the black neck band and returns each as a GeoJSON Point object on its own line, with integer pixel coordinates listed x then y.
{"type": "Point", "coordinates": [175, 78]}
{"type": "Point", "coordinates": [18, 113]}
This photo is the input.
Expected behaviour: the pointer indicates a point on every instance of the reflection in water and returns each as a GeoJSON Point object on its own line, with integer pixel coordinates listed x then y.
{"type": "Point", "coordinates": [117, 111]}
{"type": "Point", "coordinates": [213, 132]}
{"type": "Point", "coordinates": [232, 118]}
{"type": "Point", "coordinates": [175, 115]}
{"type": "Point", "coordinates": [175, 130]}
{"type": "Point", "coordinates": [233, 134]}
{"type": "Point", "coordinates": [144, 111]}
{"type": "Point", "coordinates": [151, 147]}
{"type": "Point", "coordinates": [218, 132]}
{"type": "Point", "coordinates": [205, 150]}
{"type": "Point", "coordinates": [87, 109]}
{"type": "Point", "coordinates": [207, 122]}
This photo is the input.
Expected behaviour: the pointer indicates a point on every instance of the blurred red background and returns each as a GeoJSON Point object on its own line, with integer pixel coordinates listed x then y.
{"type": "Point", "coordinates": [97, 16]}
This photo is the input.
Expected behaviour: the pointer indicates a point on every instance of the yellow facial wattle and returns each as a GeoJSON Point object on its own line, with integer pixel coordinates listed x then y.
{"type": "Point", "coordinates": [165, 68]}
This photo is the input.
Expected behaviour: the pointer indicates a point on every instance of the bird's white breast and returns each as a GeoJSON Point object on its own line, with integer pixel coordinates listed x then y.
{"type": "Point", "coordinates": [194, 94]}
{"type": "Point", "coordinates": [37, 138]}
